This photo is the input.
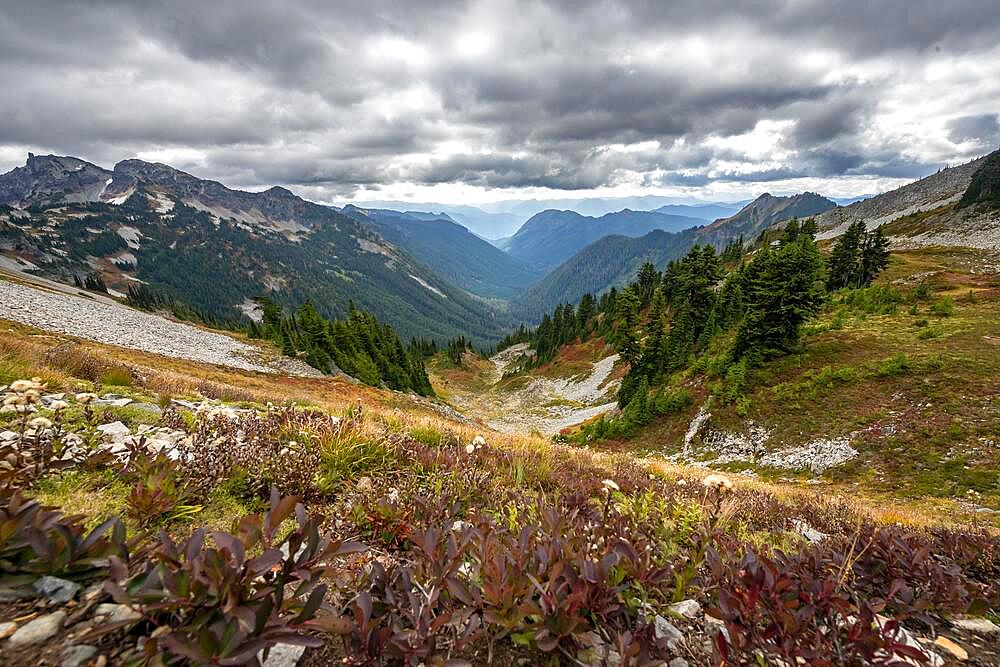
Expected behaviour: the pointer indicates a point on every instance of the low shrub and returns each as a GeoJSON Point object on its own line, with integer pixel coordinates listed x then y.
{"type": "Point", "coordinates": [943, 307]}
{"type": "Point", "coordinates": [246, 592]}
{"type": "Point", "coordinates": [897, 364]}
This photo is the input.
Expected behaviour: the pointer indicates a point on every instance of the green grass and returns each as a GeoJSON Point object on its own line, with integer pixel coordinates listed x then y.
{"type": "Point", "coordinates": [97, 495]}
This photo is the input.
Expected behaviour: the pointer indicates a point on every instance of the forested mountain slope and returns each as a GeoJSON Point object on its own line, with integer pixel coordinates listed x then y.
{"type": "Point", "coordinates": [551, 237]}
{"type": "Point", "coordinates": [451, 251]}
{"type": "Point", "coordinates": [613, 260]}
{"type": "Point", "coordinates": [215, 249]}
{"type": "Point", "coordinates": [762, 213]}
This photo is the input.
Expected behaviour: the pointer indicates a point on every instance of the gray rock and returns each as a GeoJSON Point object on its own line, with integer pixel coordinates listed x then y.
{"type": "Point", "coordinates": [686, 608]}
{"type": "Point", "coordinates": [75, 656]}
{"type": "Point", "coordinates": [666, 631]}
{"type": "Point", "coordinates": [282, 655]}
{"type": "Point", "coordinates": [808, 532]}
{"type": "Point", "coordinates": [118, 448]}
{"type": "Point", "coordinates": [980, 626]}
{"type": "Point", "coordinates": [147, 407]}
{"type": "Point", "coordinates": [114, 430]}
{"type": "Point", "coordinates": [8, 436]}
{"type": "Point", "coordinates": [15, 594]}
{"type": "Point", "coordinates": [678, 662]}
{"type": "Point", "coordinates": [58, 591]}
{"type": "Point", "coordinates": [116, 613]}
{"type": "Point", "coordinates": [113, 402]}
{"type": "Point", "coordinates": [39, 629]}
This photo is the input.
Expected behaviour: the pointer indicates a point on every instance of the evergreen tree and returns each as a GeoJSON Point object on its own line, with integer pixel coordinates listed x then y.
{"type": "Point", "coordinates": [782, 291]}
{"type": "Point", "coordinates": [809, 228]}
{"type": "Point", "coordinates": [842, 266]}
{"type": "Point", "coordinates": [874, 256]}
{"type": "Point", "coordinates": [646, 282]}
{"type": "Point", "coordinates": [584, 313]}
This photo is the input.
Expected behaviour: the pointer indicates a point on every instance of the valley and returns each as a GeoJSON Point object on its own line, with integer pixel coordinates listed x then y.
{"type": "Point", "coordinates": [657, 420]}
{"type": "Point", "coordinates": [606, 333]}
{"type": "Point", "coordinates": [541, 402]}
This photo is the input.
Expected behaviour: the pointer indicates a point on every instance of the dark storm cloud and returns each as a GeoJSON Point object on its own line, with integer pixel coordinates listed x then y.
{"type": "Point", "coordinates": [984, 129]}
{"type": "Point", "coordinates": [564, 94]}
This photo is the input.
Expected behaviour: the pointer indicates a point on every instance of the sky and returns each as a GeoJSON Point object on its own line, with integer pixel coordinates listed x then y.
{"type": "Point", "coordinates": [480, 102]}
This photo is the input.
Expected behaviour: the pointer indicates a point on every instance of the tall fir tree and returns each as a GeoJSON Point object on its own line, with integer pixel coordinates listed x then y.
{"type": "Point", "coordinates": [842, 266]}
{"type": "Point", "coordinates": [874, 256]}
{"type": "Point", "coordinates": [783, 288]}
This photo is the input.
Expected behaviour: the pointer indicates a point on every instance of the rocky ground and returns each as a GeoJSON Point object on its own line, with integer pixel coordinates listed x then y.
{"type": "Point", "coordinates": [542, 404]}
{"type": "Point", "coordinates": [104, 321]}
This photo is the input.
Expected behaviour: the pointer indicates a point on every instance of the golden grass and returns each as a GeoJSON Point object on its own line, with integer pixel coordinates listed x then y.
{"type": "Point", "coordinates": [29, 351]}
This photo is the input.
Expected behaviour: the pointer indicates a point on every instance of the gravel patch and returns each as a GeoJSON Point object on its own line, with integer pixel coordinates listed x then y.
{"type": "Point", "coordinates": [118, 325]}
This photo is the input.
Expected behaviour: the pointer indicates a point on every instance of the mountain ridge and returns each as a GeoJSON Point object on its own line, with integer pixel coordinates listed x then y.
{"type": "Point", "coordinates": [551, 237]}
{"type": "Point", "coordinates": [216, 248]}
{"type": "Point", "coordinates": [452, 251]}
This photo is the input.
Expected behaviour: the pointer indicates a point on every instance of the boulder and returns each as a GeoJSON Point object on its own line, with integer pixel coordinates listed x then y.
{"type": "Point", "coordinates": [686, 608]}
{"type": "Point", "coordinates": [39, 629]}
{"type": "Point", "coordinates": [78, 655]}
{"type": "Point", "coordinates": [116, 613]}
{"type": "Point", "coordinates": [666, 631]}
{"type": "Point", "coordinates": [979, 626]}
{"type": "Point", "coordinates": [56, 590]}
{"type": "Point", "coordinates": [282, 655]}
{"type": "Point", "coordinates": [115, 430]}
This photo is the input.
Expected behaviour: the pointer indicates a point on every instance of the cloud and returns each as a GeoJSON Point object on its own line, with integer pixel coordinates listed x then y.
{"type": "Point", "coordinates": [983, 129]}
{"type": "Point", "coordinates": [335, 99]}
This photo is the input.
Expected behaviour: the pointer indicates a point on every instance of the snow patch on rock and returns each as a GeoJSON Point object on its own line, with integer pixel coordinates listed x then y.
{"type": "Point", "coordinates": [131, 235]}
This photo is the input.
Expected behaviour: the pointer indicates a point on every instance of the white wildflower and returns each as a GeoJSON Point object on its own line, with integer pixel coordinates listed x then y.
{"type": "Point", "coordinates": [21, 386]}
{"type": "Point", "coordinates": [58, 405]}
{"type": "Point", "coordinates": [40, 423]}
{"type": "Point", "coordinates": [470, 448]}
{"type": "Point", "coordinates": [479, 441]}
{"type": "Point", "coordinates": [86, 398]}
{"type": "Point", "coordinates": [610, 485]}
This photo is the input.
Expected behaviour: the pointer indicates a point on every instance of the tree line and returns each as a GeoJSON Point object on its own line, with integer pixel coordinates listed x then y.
{"type": "Point", "coordinates": [744, 308]}
{"type": "Point", "coordinates": [359, 345]}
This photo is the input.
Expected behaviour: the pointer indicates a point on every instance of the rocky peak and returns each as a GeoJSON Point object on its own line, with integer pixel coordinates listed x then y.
{"type": "Point", "coordinates": [52, 179]}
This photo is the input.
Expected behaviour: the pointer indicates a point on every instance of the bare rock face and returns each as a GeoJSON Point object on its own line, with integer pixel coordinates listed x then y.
{"type": "Point", "coordinates": [945, 186]}
{"type": "Point", "coordinates": [51, 179]}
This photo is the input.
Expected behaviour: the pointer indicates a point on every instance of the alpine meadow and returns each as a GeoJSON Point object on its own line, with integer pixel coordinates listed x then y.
{"type": "Point", "coordinates": [500, 332]}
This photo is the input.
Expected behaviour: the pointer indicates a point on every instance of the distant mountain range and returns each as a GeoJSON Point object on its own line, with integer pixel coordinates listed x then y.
{"type": "Point", "coordinates": [215, 248]}
{"type": "Point", "coordinates": [762, 213]}
{"type": "Point", "coordinates": [425, 272]}
{"type": "Point", "coordinates": [451, 251]}
{"type": "Point", "coordinates": [486, 224]}
{"type": "Point", "coordinates": [610, 261]}
{"type": "Point", "coordinates": [706, 212]}
{"type": "Point", "coordinates": [550, 238]}
{"type": "Point", "coordinates": [501, 219]}
{"type": "Point", "coordinates": [614, 260]}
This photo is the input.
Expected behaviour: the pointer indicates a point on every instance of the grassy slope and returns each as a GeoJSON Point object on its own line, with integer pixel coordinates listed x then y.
{"type": "Point", "coordinates": [25, 352]}
{"type": "Point", "coordinates": [507, 480]}
{"type": "Point", "coordinates": [926, 422]}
